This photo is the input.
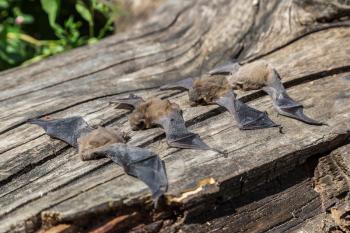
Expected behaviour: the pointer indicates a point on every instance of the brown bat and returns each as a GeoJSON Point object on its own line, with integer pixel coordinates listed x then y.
{"type": "Point", "coordinates": [208, 90]}
{"type": "Point", "coordinates": [157, 112]}
{"type": "Point", "coordinates": [260, 75]}
{"type": "Point", "coordinates": [106, 142]}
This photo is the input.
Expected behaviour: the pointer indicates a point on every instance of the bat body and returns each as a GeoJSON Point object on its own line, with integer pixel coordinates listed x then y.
{"type": "Point", "coordinates": [93, 141]}
{"type": "Point", "coordinates": [208, 90]}
{"type": "Point", "coordinates": [106, 142]}
{"type": "Point", "coordinates": [157, 112]}
{"type": "Point", "coordinates": [260, 75]}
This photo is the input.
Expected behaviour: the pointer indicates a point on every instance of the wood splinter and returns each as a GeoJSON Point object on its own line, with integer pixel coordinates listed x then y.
{"type": "Point", "coordinates": [106, 142]}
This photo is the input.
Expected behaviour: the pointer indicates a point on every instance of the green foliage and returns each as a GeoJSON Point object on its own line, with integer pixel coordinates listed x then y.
{"type": "Point", "coordinates": [51, 8]}
{"type": "Point", "coordinates": [84, 11]}
{"type": "Point", "coordinates": [60, 29]}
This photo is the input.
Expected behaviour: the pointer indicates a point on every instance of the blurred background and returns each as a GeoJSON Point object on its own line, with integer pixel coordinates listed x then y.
{"type": "Point", "coordinates": [31, 30]}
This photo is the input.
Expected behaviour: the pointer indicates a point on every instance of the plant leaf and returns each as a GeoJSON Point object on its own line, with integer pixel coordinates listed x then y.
{"type": "Point", "coordinates": [84, 12]}
{"type": "Point", "coordinates": [51, 7]}
{"type": "Point", "coordinates": [4, 4]}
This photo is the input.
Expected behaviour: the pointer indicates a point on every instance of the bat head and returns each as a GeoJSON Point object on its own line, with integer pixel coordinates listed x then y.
{"type": "Point", "coordinates": [146, 114]}
{"type": "Point", "coordinates": [207, 89]}
{"type": "Point", "coordinates": [96, 139]}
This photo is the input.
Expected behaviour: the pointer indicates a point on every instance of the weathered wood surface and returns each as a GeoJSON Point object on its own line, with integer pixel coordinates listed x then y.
{"type": "Point", "coordinates": [290, 203]}
{"type": "Point", "coordinates": [44, 183]}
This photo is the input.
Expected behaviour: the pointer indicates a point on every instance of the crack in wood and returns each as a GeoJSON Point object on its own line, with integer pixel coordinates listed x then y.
{"type": "Point", "coordinates": [304, 34]}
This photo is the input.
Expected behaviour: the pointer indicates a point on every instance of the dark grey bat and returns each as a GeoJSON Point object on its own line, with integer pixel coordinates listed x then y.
{"type": "Point", "coordinates": [137, 162]}
{"type": "Point", "coordinates": [157, 112]}
{"type": "Point", "coordinates": [208, 90]}
{"type": "Point", "coordinates": [260, 75]}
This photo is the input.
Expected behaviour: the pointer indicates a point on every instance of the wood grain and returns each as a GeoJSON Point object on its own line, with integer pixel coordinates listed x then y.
{"type": "Point", "coordinates": [44, 183]}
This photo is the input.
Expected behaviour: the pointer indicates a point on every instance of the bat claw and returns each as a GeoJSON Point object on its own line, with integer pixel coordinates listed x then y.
{"type": "Point", "coordinates": [157, 198]}
{"type": "Point", "coordinates": [281, 130]}
{"type": "Point", "coordinates": [223, 152]}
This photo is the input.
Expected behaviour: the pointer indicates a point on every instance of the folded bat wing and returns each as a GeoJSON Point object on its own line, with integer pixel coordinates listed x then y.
{"type": "Point", "coordinates": [66, 129]}
{"type": "Point", "coordinates": [247, 118]}
{"type": "Point", "coordinates": [129, 103]}
{"type": "Point", "coordinates": [178, 135]}
{"type": "Point", "coordinates": [140, 163]}
{"type": "Point", "coordinates": [284, 104]}
{"type": "Point", "coordinates": [225, 69]}
{"type": "Point", "coordinates": [185, 84]}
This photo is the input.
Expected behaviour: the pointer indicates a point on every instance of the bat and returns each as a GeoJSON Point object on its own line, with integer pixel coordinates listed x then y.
{"type": "Point", "coordinates": [260, 75]}
{"type": "Point", "coordinates": [106, 142]}
{"type": "Point", "coordinates": [208, 90]}
{"type": "Point", "coordinates": [157, 112]}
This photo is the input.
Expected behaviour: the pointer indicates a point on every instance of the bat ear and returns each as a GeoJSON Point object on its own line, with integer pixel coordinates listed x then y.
{"type": "Point", "coordinates": [128, 103]}
{"type": "Point", "coordinates": [183, 84]}
{"type": "Point", "coordinates": [228, 68]}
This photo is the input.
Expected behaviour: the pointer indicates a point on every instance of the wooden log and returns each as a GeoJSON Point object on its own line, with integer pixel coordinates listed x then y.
{"type": "Point", "coordinates": [44, 182]}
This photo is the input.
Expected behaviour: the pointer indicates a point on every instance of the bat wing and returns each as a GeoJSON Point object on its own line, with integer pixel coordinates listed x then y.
{"type": "Point", "coordinates": [129, 103]}
{"type": "Point", "coordinates": [140, 163]}
{"type": "Point", "coordinates": [246, 117]}
{"type": "Point", "coordinates": [183, 84]}
{"type": "Point", "coordinates": [178, 135]}
{"type": "Point", "coordinates": [228, 68]}
{"type": "Point", "coordinates": [66, 129]}
{"type": "Point", "coordinates": [284, 104]}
